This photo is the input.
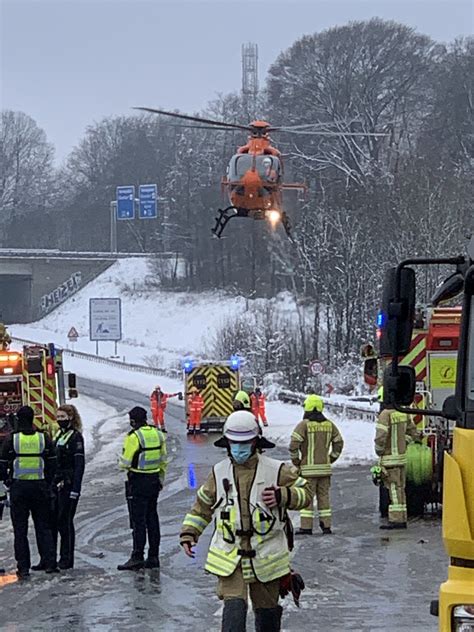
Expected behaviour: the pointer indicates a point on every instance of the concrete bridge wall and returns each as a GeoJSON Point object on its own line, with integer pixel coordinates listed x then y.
{"type": "Point", "coordinates": [30, 287]}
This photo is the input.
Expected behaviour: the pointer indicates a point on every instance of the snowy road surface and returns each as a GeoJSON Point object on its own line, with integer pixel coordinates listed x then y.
{"type": "Point", "coordinates": [358, 579]}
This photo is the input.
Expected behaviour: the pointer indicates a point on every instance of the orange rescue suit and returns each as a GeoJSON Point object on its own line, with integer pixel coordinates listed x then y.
{"type": "Point", "coordinates": [196, 405]}
{"type": "Point", "coordinates": [257, 404]}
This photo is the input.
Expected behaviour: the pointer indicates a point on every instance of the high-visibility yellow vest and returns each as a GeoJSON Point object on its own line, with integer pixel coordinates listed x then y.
{"type": "Point", "coordinates": [269, 553]}
{"type": "Point", "coordinates": [151, 454]}
{"type": "Point", "coordinates": [28, 464]}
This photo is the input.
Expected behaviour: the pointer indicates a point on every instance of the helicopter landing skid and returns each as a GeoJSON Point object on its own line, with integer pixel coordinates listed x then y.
{"type": "Point", "coordinates": [224, 217]}
{"type": "Point", "coordinates": [285, 221]}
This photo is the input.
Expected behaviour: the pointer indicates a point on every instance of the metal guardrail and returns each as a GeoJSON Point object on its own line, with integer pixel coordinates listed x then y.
{"type": "Point", "coordinates": [284, 396]}
{"type": "Point", "coordinates": [337, 408]}
{"type": "Point", "coordinates": [139, 368]}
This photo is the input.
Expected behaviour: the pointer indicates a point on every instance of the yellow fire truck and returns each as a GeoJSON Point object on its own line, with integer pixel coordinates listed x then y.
{"type": "Point", "coordinates": [455, 606]}
{"type": "Point", "coordinates": [217, 383]}
{"type": "Point", "coordinates": [34, 377]}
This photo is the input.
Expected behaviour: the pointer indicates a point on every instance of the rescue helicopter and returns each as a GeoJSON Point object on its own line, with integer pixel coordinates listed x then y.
{"type": "Point", "coordinates": [254, 180]}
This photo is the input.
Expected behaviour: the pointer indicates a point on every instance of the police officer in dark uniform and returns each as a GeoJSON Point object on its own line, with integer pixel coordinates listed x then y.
{"type": "Point", "coordinates": [69, 446]}
{"type": "Point", "coordinates": [27, 466]}
{"type": "Point", "coordinates": [144, 459]}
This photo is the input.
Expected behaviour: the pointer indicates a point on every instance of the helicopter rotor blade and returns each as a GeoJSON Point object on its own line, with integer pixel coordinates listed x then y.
{"type": "Point", "coordinates": [187, 117]}
{"type": "Point", "coordinates": [306, 132]}
{"type": "Point", "coordinates": [191, 126]}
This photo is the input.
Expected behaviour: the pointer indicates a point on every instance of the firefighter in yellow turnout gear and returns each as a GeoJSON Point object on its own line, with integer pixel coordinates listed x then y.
{"type": "Point", "coordinates": [316, 443]}
{"type": "Point", "coordinates": [393, 429]}
{"type": "Point", "coordinates": [249, 494]}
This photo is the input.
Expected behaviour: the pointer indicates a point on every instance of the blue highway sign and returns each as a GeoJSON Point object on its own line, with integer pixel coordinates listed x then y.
{"type": "Point", "coordinates": [126, 202]}
{"type": "Point", "coordinates": [148, 196]}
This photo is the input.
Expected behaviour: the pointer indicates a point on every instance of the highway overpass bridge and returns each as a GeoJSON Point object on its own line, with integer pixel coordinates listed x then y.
{"type": "Point", "coordinates": [33, 282]}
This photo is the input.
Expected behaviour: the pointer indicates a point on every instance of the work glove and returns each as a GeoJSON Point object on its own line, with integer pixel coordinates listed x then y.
{"type": "Point", "coordinates": [188, 548]}
{"type": "Point", "coordinates": [74, 495]}
{"type": "Point", "coordinates": [293, 582]}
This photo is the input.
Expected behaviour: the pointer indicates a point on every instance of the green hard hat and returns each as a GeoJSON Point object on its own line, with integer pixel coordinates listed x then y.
{"type": "Point", "coordinates": [243, 398]}
{"type": "Point", "coordinates": [313, 403]}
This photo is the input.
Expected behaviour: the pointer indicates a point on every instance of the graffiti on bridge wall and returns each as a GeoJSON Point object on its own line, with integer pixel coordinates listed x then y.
{"type": "Point", "coordinates": [62, 292]}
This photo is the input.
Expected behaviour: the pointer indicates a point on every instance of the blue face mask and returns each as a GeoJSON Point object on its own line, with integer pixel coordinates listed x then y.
{"type": "Point", "coordinates": [241, 452]}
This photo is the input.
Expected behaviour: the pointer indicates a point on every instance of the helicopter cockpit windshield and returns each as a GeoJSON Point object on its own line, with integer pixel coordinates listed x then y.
{"type": "Point", "coordinates": [268, 167]}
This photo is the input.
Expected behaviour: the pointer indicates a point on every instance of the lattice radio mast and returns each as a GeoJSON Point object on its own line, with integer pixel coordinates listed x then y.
{"type": "Point", "coordinates": [250, 77]}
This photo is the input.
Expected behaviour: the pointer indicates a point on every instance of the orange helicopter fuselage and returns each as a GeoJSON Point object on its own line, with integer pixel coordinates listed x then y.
{"type": "Point", "coordinates": [258, 188]}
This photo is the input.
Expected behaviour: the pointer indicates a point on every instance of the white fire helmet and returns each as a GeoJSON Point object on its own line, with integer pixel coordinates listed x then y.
{"type": "Point", "coordinates": [241, 426]}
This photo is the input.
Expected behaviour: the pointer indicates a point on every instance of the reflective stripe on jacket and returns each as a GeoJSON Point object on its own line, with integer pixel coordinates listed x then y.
{"type": "Point", "coordinates": [28, 464]}
{"type": "Point", "coordinates": [269, 554]}
{"type": "Point", "coordinates": [314, 446]}
{"type": "Point", "coordinates": [144, 451]}
{"type": "Point", "coordinates": [392, 430]}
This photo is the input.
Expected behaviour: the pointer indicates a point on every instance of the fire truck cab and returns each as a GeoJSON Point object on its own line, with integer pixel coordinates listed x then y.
{"type": "Point", "coordinates": [34, 377]}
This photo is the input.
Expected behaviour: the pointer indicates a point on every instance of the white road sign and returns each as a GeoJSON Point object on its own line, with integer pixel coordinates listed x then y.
{"type": "Point", "coordinates": [316, 367]}
{"type": "Point", "coordinates": [105, 319]}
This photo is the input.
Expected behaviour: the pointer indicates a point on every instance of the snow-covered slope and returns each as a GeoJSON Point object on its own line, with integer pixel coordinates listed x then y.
{"type": "Point", "coordinates": [159, 327]}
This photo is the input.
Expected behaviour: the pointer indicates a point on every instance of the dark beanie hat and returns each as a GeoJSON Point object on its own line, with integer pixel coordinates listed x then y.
{"type": "Point", "coordinates": [138, 414]}
{"type": "Point", "coordinates": [25, 415]}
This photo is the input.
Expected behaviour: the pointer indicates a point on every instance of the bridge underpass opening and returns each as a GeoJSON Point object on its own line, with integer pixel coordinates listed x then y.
{"type": "Point", "coordinates": [15, 298]}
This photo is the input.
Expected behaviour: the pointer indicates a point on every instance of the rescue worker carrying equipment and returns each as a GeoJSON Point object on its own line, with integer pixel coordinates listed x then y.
{"type": "Point", "coordinates": [144, 459]}
{"type": "Point", "coordinates": [250, 494]}
{"type": "Point", "coordinates": [257, 399]}
{"type": "Point", "coordinates": [195, 408]}
{"type": "Point", "coordinates": [158, 403]}
{"type": "Point", "coordinates": [392, 429]}
{"type": "Point", "coordinates": [27, 465]}
{"type": "Point", "coordinates": [315, 444]}
{"type": "Point", "coordinates": [69, 446]}
{"type": "Point", "coordinates": [241, 401]}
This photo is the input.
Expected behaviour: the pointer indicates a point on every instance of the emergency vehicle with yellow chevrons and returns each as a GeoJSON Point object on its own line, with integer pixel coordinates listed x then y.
{"type": "Point", "coordinates": [217, 383]}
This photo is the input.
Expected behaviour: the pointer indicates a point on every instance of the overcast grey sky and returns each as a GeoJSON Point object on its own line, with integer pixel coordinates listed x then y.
{"type": "Point", "coordinates": [68, 63]}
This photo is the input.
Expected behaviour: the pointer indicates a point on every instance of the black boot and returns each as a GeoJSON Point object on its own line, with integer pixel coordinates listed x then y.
{"type": "Point", "coordinates": [135, 563]}
{"type": "Point", "coordinates": [65, 564]}
{"type": "Point", "coordinates": [268, 619]}
{"type": "Point", "coordinates": [22, 573]}
{"type": "Point", "coordinates": [234, 616]}
{"type": "Point", "coordinates": [152, 562]}
{"type": "Point", "coordinates": [324, 529]}
{"type": "Point", "coordinates": [41, 566]}
{"type": "Point", "coordinates": [393, 525]}
{"type": "Point", "coordinates": [304, 532]}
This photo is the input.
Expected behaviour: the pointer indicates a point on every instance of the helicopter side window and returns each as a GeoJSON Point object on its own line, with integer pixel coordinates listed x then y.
{"type": "Point", "coordinates": [238, 166]}
{"type": "Point", "coordinates": [269, 168]}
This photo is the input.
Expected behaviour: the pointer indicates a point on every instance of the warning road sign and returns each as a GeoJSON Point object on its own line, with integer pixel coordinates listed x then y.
{"type": "Point", "coordinates": [73, 335]}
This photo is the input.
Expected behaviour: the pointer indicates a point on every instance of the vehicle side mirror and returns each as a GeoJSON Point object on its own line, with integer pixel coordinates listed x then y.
{"type": "Point", "coordinates": [450, 409]}
{"type": "Point", "coordinates": [71, 380]}
{"type": "Point", "coordinates": [370, 371]}
{"type": "Point", "coordinates": [449, 289]}
{"type": "Point", "coordinates": [400, 389]}
{"type": "Point", "coordinates": [397, 316]}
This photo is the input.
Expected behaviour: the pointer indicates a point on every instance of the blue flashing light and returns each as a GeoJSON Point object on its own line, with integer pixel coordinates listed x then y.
{"type": "Point", "coordinates": [187, 365]}
{"type": "Point", "coordinates": [192, 480]}
{"type": "Point", "coordinates": [381, 320]}
{"type": "Point", "coordinates": [235, 362]}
